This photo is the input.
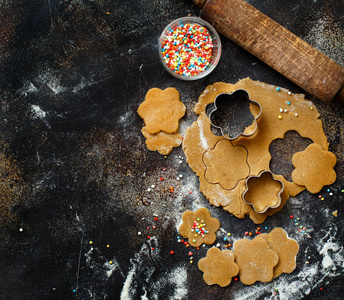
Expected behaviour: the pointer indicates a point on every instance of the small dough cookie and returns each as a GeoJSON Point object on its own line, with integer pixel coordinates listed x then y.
{"type": "Point", "coordinates": [285, 247]}
{"type": "Point", "coordinates": [218, 267]}
{"type": "Point", "coordinates": [199, 227]}
{"type": "Point", "coordinates": [255, 259]}
{"type": "Point", "coordinates": [161, 141]}
{"type": "Point", "coordinates": [161, 110]}
{"type": "Point", "coordinates": [226, 164]}
{"type": "Point", "coordinates": [314, 168]}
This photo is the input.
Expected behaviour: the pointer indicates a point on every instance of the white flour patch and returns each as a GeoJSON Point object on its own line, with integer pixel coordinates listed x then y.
{"type": "Point", "coordinates": [28, 88]}
{"type": "Point", "coordinates": [126, 119]}
{"type": "Point", "coordinates": [203, 140]}
{"type": "Point", "coordinates": [146, 280]}
{"type": "Point", "coordinates": [179, 280]}
{"type": "Point", "coordinates": [111, 267]}
{"type": "Point", "coordinates": [54, 85]}
{"type": "Point", "coordinates": [38, 113]}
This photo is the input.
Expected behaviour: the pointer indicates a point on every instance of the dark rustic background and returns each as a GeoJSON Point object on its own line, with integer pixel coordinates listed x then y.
{"type": "Point", "coordinates": [75, 173]}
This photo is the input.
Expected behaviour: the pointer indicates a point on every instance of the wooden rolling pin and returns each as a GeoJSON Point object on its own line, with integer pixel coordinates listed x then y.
{"type": "Point", "coordinates": [276, 46]}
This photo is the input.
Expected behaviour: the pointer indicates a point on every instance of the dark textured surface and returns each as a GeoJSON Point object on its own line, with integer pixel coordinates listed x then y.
{"type": "Point", "coordinates": [74, 166]}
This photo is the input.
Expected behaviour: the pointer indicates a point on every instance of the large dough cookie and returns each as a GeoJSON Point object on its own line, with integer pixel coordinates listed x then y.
{"type": "Point", "coordinates": [285, 247]}
{"type": "Point", "coordinates": [314, 168]}
{"type": "Point", "coordinates": [161, 110]}
{"type": "Point", "coordinates": [218, 267]}
{"type": "Point", "coordinates": [301, 116]}
{"type": "Point", "coordinates": [255, 259]}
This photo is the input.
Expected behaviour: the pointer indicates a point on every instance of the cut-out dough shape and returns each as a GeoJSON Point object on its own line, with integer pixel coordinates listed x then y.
{"type": "Point", "coordinates": [263, 191]}
{"type": "Point", "coordinates": [221, 164]}
{"type": "Point", "coordinates": [314, 168]}
{"type": "Point", "coordinates": [199, 138]}
{"type": "Point", "coordinates": [285, 247]}
{"type": "Point", "coordinates": [199, 227]}
{"type": "Point", "coordinates": [255, 259]}
{"type": "Point", "coordinates": [162, 142]}
{"type": "Point", "coordinates": [218, 267]}
{"type": "Point", "coordinates": [161, 110]}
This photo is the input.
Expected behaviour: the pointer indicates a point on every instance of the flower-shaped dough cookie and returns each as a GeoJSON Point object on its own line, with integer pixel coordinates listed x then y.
{"type": "Point", "coordinates": [314, 168]}
{"type": "Point", "coordinates": [161, 110]}
{"type": "Point", "coordinates": [255, 259]}
{"type": "Point", "coordinates": [285, 247]}
{"type": "Point", "coordinates": [226, 164]}
{"type": "Point", "coordinates": [199, 227]}
{"type": "Point", "coordinates": [162, 142]}
{"type": "Point", "coordinates": [218, 267]}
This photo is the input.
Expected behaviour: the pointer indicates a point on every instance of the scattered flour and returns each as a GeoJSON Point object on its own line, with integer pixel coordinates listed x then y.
{"type": "Point", "coordinates": [328, 37]}
{"type": "Point", "coordinates": [38, 113]}
{"type": "Point", "coordinates": [142, 279]}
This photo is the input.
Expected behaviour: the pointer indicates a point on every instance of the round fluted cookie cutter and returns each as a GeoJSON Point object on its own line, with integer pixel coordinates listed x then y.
{"type": "Point", "coordinates": [263, 192]}
{"type": "Point", "coordinates": [232, 110]}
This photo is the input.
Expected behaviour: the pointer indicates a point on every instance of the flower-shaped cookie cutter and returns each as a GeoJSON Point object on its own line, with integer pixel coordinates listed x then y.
{"type": "Point", "coordinates": [232, 114]}
{"type": "Point", "coordinates": [263, 191]}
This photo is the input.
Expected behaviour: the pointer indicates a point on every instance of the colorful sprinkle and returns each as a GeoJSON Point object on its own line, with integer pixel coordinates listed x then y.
{"type": "Point", "coordinates": [278, 89]}
{"type": "Point", "coordinates": [187, 49]}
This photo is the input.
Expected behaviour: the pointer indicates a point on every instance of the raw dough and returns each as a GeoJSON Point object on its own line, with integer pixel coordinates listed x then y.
{"type": "Point", "coordinates": [218, 267]}
{"type": "Point", "coordinates": [161, 110]}
{"type": "Point", "coordinates": [199, 227]}
{"type": "Point", "coordinates": [314, 168]}
{"type": "Point", "coordinates": [220, 162]}
{"type": "Point", "coordinates": [285, 248]}
{"type": "Point", "coordinates": [255, 259]}
{"type": "Point", "coordinates": [200, 139]}
{"type": "Point", "coordinates": [162, 142]}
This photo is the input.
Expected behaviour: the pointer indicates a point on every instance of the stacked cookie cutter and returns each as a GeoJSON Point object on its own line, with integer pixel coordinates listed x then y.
{"type": "Point", "coordinates": [231, 110]}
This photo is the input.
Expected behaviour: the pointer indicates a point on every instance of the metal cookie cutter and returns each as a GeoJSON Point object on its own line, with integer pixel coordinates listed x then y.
{"type": "Point", "coordinates": [232, 114]}
{"type": "Point", "coordinates": [263, 191]}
